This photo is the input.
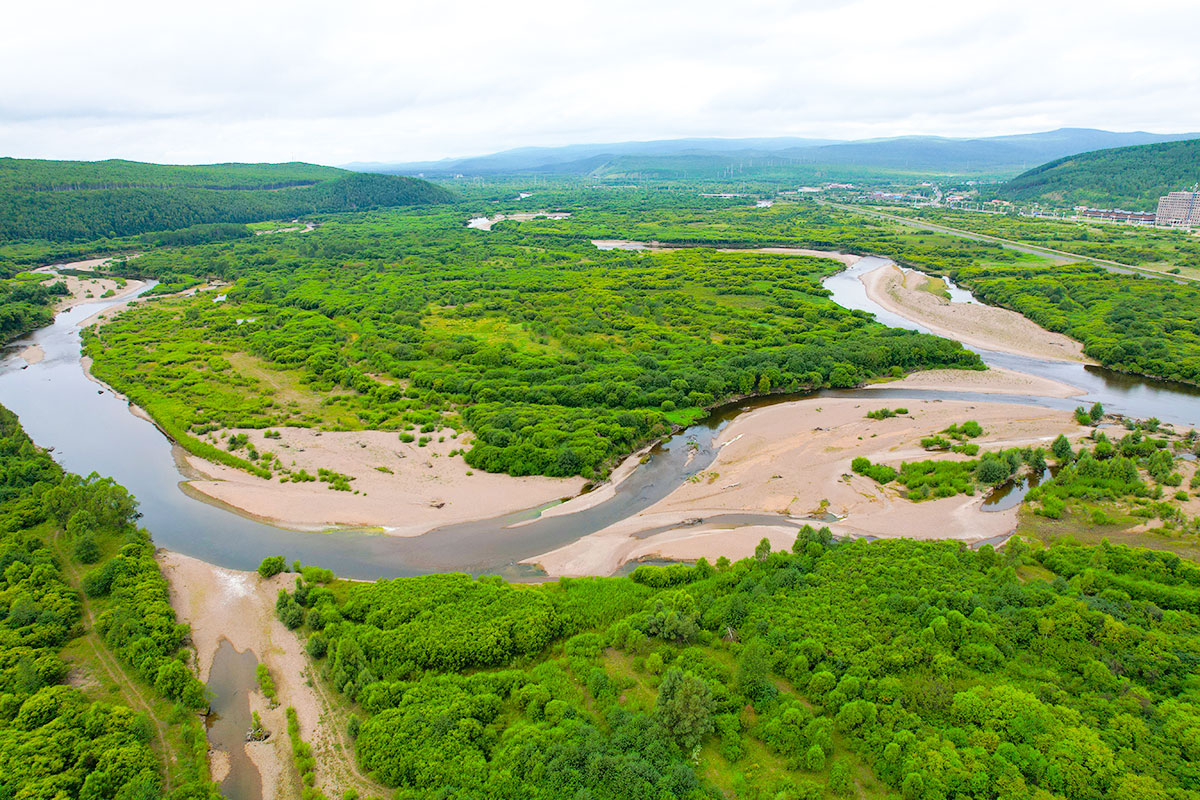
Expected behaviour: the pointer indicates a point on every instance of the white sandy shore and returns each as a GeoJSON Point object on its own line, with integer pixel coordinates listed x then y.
{"type": "Point", "coordinates": [970, 323]}
{"type": "Point", "coordinates": [604, 492]}
{"type": "Point", "coordinates": [793, 459]}
{"type": "Point", "coordinates": [208, 598]}
{"type": "Point", "coordinates": [993, 380]}
{"type": "Point", "coordinates": [421, 489]}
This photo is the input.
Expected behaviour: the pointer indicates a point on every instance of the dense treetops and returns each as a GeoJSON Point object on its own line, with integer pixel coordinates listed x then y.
{"type": "Point", "coordinates": [63, 201]}
{"type": "Point", "coordinates": [1126, 322]}
{"type": "Point", "coordinates": [895, 668]}
{"type": "Point", "coordinates": [557, 356]}
{"type": "Point", "coordinates": [24, 175]}
{"type": "Point", "coordinates": [54, 740]}
{"type": "Point", "coordinates": [1124, 177]}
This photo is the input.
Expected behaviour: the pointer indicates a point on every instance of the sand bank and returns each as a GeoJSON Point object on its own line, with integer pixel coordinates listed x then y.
{"type": "Point", "coordinates": [602, 493]}
{"type": "Point", "coordinates": [131, 288]}
{"type": "Point", "coordinates": [993, 380]}
{"type": "Point", "coordinates": [240, 606]}
{"type": "Point", "coordinates": [405, 489]}
{"type": "Point", "coordinates": [973, 324]}
{"type": "Point", "coordinates": [793, 459]}
{"type": "Point", "coordinates": [33, 354]}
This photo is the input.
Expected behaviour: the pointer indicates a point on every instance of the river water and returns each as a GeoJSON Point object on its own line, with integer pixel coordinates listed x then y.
{"type": "Point", "coordinates": [91, 428]}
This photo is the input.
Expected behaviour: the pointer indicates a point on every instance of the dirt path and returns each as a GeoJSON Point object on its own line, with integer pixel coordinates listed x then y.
{"type": "Point", "coordinates": [131, 691]}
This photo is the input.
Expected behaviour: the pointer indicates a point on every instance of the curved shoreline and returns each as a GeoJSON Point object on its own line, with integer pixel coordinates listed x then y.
{"type": "Point", "coordinates": [976, 324]}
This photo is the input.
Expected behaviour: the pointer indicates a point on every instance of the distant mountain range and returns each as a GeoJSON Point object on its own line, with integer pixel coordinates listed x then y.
{"type": "Point", "coordinates": [779, 157]}
{"type": "Point", "coordinates": [1132, 178]}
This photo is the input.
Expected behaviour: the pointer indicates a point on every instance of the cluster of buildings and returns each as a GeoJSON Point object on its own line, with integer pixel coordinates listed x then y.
{"type": "Point", "coordinates": [1179, 210]}
{"type": "Point", "coordinates": [1176, 210]}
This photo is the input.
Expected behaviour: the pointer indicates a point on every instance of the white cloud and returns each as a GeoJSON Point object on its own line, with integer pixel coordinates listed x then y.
{"type": "Point", "coordinates": [406, 80]}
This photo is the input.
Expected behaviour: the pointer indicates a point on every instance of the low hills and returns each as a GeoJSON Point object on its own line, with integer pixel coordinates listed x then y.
{"type": "Point", "coordinates": [1132, 178]}
{"type": "Point", "coordinates": [73, 200]}
{"type": "Point", "coordinates": [783, 158]}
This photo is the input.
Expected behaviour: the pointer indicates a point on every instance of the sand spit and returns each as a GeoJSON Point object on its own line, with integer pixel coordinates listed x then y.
{"type": "Point", "coordinates": [33, 354]}
{"type": "Point", "coordinates": [404, 489]}
{"type": "Point", "coordinates": [993, 380]}
{"type": "Point", "coordinates": [207, 598]}
{"type": "Point", "coordinates": [972, 324]}
{"type": "Point", "coordinates": [602, 493]}
{"type": "Point", "coordinates": [793, 459]}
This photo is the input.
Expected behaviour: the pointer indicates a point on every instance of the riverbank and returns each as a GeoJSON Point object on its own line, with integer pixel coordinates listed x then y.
{"type": "Point", "coordinates": [398, 487]}
{"type": "Point", "coordinates": [793, 460]}
{"type": "Point", "coordinates": [974, 324]}
{"type": "Point", "coordinates": [993, 380]}
{"type": "Point", "coordinates": [207, 598]}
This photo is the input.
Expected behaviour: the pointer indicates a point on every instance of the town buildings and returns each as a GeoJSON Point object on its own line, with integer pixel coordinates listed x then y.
{"type": "Point", "coordinates": [1178, 210]}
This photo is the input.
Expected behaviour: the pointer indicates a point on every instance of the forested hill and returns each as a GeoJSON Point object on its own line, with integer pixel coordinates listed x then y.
{"type": "Point", "coordinates": [72, 200]}
{"type": "Point", "coordinates": [1124, 177]}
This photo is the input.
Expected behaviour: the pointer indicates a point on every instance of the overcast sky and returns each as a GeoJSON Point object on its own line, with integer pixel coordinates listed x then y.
{"type": "Point", "coordinates": [334, 82]}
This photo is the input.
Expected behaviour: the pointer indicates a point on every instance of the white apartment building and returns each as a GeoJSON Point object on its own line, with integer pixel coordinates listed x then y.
{"type": "Point", "coordinates": [1179, 209]}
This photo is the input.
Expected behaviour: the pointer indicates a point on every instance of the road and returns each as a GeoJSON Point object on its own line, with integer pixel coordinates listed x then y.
{"type": "Point", "coordinates": [1061, 256]}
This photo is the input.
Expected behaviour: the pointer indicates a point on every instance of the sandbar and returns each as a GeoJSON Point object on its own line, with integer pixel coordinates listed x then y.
{"type": "Point", "coordinates": [970, 323]}
{"type": "Point", "coordinates": [793, 460]}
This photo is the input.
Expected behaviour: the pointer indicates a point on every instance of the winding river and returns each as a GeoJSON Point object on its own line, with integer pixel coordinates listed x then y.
{"type": "Point", "coordinates": [91, 429]}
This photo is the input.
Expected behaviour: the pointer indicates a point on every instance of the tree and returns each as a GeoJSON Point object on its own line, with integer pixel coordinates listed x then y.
{"type": "Point", "coordinates": [814, 758]}
{"type": "Point", "coordinates": [1096, 412]}
{"type": "Point", "coordinates": [272, 566]}
{"type": "Point", "coordinates": [1062, 449]}
{"type": "Point", "coordinates": [754, 672]}
{"type": "Point", "coordinates": [685, 707]}
{"type": "Point", "coordinates": [86, 549]}
{"type": "Point", "coordinates": [762, 549]}
{"type": "Point", "coordinates": [992, 471]}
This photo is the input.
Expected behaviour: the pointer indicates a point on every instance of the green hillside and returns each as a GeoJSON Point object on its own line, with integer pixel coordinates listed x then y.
{"type": "Point", "coordinates": [1123, 177]}
{"type": "Point", "coordinates": [71, 200]}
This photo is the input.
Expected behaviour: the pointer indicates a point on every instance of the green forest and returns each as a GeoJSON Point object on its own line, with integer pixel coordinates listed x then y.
{"type": "Point", "coordinates": [61, 201]}
{"type": "Point", "coordinates": [557, 357]}
{"type": "Point", "coordinates": [915, 670]}
{"type": "Point", "coordinates": [68, 543]}
{"type": "Point", "coordinates": [1126, 322]}
{"type": "Point", "coordinates": [1132, 178]}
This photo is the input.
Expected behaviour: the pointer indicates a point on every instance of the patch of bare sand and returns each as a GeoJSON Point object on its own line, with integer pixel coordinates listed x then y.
{"type": "Point", "coordinates": [104, 315]}
{"type": "Point", "coordinates": [417, 489]}
{"type": "Point", "coordinates": [602, 493]}
{"type": "Point", "coordinates": [993, 380]}
{"type": "Point", "coordinates": [33, 354]}
{"type": "Point", "coordinates": [974, 324]}
{"type": "Point", "coordinates": [793, 459]}
{"type": "Point", "coordinates": [240, 606]}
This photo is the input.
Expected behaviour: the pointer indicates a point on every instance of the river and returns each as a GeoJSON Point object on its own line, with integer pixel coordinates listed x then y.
{"type": "Point", "coordinates": [92, 429]}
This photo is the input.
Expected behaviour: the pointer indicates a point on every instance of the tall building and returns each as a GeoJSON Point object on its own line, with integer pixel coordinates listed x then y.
{"type": "Point", "coordinates": [1179, 209]}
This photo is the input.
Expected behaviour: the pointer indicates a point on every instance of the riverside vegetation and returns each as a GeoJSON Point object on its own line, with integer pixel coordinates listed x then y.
{"type": "Point", "coordinates": [1130, 323]}
{"type": "Point", "coordinates": [557, 357]}
{"type": "Point", "coordinates": [897, 668]}
{"type": "Point", "coordinates": [57, 740]}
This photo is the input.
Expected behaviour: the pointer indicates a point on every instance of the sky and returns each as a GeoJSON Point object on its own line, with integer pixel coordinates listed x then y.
{"type": "Point", "coordinates": [403, 80]}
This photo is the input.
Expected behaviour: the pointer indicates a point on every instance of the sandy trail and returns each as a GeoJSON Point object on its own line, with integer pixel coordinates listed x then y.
{"type": "Point", "coordinates": [209, 598]}
{"type": "Point", "coordinates": [973, 324]}
{"type": "Point", "coordinates": [405, 489]}
{"type": "Point", "coordinates": [793, 459]}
